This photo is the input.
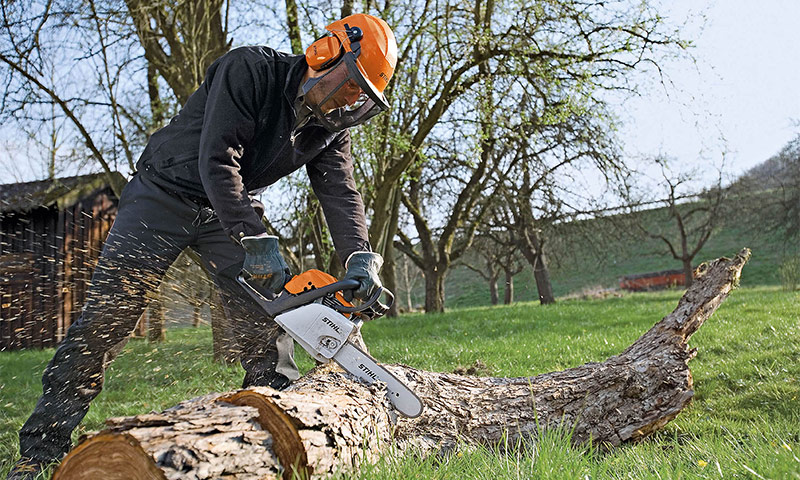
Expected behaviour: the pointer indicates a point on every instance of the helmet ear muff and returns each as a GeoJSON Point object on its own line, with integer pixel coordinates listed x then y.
{"type": "Point", "coordinates": [324, 53]}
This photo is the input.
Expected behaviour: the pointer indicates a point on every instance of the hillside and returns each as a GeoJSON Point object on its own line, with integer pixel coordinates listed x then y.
{"type": "Point", "coordinates": [574, 268]}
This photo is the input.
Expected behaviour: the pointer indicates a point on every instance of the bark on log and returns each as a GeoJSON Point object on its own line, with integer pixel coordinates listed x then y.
{"type": "Point", "coordinates": [326, 422]}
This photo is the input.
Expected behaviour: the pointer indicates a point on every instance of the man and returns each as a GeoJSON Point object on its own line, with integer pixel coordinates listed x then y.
{"type": "Point", "coordinates": [258, 116]}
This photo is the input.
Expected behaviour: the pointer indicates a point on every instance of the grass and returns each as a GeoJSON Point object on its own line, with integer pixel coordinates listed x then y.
{"type": "Point", "coordinates": [743, 423]}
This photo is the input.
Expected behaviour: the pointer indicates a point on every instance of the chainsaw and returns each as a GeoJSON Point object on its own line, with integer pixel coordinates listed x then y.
{"type": "Point", "coordinates": [312, 309]}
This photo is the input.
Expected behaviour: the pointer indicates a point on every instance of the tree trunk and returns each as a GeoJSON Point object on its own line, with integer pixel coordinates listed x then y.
{"type": "Point", "coordinates": [509, 296]}
{"type": "Point", "coordinates": [434, 290]}
{"type": "Point", "coordinates": [389, 277]}
{"type": "Point", "coordinates": [156, 105]}
{"type": "Point", "coordinates": [540, 271]}
{"type": "Point", "coordinates": [492, 274]}
{"type": "Point", "coordinates": [688, 271]}
{"type": "Point", "coordinates": [325, 422]}
{"type": "Point", "coordinates": [224, 342]}
{"type": "Point", "coordinates": [197, 315]}
{"type": "Point", "coordinates": [140, 330]}
{"type": "Point", "coordinates": [293, 22]}
{"type": "Point", "coordinates": [530, 244]}
{"type": "Point", "coordinates": [347, 8]}
{"type": "Point", "coordinates": [407, 285]}
{"type": "Point", "coordinates": [542, 276]}
{"type": "Point", "coordinates": [155, 320]}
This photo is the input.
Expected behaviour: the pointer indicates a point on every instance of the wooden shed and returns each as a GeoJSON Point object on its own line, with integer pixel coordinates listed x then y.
{"type": "Point", "coordinates": [51, 234]}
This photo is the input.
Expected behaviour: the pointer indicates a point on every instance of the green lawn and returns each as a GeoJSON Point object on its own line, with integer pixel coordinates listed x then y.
{"type": "Point", "coordinates": [744, 422]}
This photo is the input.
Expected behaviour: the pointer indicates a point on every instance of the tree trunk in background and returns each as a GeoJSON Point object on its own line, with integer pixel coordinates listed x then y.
{"type": "Point", "coordinates": [155, 320]}
{"type": "Point", "coordinates": [389, 279]}
{"type": "Point", "coordinates": [509, 296]}
{"type": "Point", "coordinates": [383, 224]}
{"type": "Point", "coordinates": [384, 245]}
{"type": "Point", "coordinates": [542, 276]}
{"type": "Point", "coordinates": [224, 343]}
{"type": "Point", "coordinates": [327, 423]}
{"type": "Point", "coordinates": [153, 93]}
{"type": "Point", "coordinates": [434, 290]}
{"type": "Point", "coordinates": [492, 274]}
{"type": "Point", "coordinates": [407, 284]}
{"type": "Point", "coordinates": [347, 8]}
{"type": "Point", "coordinates": [195, 33]}
{"type": "Point", "coordinates": [295, 39]}
{"type": "Point", "coordinates": [540, 271]}
{"type": "Point", "coordinates": [688, 271]}
{"type": "Point", "coordinates": [197, 314]}
{"type": "Point", "coordinates": [140, 331]}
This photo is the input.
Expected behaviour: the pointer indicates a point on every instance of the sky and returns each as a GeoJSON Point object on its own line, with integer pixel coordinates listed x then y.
{"type": "Point", "coordinates": [741, 97]}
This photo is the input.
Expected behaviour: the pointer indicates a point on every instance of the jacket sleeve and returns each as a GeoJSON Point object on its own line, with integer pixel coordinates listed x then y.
{"type": "Point", "coordinates": [229, 123]}
{"type": "Point", "coordinates": [331, 176]}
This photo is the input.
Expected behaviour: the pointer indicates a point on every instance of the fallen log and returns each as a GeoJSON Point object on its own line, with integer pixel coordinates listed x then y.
{"type": "Point", "coordinates": [326, 422]}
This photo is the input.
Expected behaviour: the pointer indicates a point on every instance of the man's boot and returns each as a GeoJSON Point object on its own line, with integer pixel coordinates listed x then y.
{"type": "Point", "coordinates": [26, 468]}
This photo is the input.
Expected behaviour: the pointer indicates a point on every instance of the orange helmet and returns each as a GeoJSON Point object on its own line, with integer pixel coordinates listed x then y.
{"type": "Point", "coordinates": [360, 51]}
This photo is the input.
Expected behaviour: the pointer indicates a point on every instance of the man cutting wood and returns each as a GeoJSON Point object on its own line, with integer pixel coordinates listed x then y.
{"type": "Point", "coordinates": [258, 116]}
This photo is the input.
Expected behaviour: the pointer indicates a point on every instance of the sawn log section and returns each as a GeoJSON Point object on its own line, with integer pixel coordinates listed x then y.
{"type": "Point", "coordinates": [326, 422]}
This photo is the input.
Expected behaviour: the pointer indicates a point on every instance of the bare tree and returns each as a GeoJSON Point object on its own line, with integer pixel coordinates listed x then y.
{"type": "Point", "coordinates": [499, 256]}
{"type": "Point", "coordinates": [36, 41]}
{"type": "Point", "coordinates": [573, 47]}
{"type": "Point", "coordinates": [181, 39]}
{"type": "Point", "coordinates": [471, 178]}
{"type": "Point", "coordinates": [687, 217]}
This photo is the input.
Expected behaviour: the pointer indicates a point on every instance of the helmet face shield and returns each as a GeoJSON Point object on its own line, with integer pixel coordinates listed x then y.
{"type": "Point", "coordinates": [343, 97]}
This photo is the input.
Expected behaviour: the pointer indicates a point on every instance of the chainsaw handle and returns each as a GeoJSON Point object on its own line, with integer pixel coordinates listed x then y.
{"type": "Point", "coordinates": [373, 302]}
{"type": "Point", "coordinates": [275, 305]}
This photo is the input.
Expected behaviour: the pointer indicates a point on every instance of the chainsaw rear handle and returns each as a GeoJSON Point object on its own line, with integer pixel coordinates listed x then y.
{"type": "Point", "coordinates": [373, 303]}
{"type": "Point", "coordinates": [275, 305]}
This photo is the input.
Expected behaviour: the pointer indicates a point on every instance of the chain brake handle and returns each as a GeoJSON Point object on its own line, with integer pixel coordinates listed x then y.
{"type": "Point", "coordinates": [371, 307]}
{"type": "Point", "coordinates": [275, 305]}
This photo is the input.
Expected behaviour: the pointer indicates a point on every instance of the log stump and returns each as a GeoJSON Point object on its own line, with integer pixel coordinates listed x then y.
{"type": "Point", "coordinates": [326, 422]}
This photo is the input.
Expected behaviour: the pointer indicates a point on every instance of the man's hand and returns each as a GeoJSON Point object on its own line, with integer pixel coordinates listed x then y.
{"type": "Point", "coordinates": [364, 267]}
{"type": "Point", "coordinates": [263, 262]}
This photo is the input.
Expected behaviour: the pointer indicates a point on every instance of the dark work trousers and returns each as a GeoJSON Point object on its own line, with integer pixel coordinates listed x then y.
{"type": "Point", "coordinates": [151, 229]}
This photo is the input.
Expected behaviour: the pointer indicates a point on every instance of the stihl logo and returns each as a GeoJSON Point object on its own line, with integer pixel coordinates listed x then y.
{"type": "Point", "coordinates": [327, 321]}
{"type": "Point", "coordinates": [369, 372]}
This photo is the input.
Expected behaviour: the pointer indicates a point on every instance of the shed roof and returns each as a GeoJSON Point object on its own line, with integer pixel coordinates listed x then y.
{"type": "Point", "coordinates": [60, 192]}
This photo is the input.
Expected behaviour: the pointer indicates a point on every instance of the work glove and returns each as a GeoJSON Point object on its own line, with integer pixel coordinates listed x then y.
{"type": "Point", "coordinates": [263, 262]}
{"type": "Point", "coordinates": [364, 267]}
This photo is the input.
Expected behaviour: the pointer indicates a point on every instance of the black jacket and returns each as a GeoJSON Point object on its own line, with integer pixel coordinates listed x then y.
{"type": "Point", "coordinates": [234, 137]}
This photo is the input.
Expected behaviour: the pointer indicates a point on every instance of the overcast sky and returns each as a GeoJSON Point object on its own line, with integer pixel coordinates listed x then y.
{"type": "Point", "coordinates": [743, 94]}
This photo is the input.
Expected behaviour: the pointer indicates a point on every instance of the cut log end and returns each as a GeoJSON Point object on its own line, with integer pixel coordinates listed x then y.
{"type": "Point", "coordinates": [109, 456]}
{"type": "Point", "coordinates": [287, 444]}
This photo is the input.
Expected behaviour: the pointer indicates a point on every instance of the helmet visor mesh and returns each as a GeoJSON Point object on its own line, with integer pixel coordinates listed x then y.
{"type": "Point", "coordinates": [348, 97]}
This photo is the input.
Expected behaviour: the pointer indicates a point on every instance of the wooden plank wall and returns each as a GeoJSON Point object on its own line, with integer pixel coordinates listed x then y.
{"type": "Point", "coordinates": [25, 262]}
{"type": "Point", "coordinates": [46, 260]}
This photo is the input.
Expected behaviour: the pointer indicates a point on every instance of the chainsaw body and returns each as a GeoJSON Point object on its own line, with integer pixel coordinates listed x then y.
{"type": "Point", "coordinates": [321, 331]}
{"type": "Point", "coordinates": [313, 311]}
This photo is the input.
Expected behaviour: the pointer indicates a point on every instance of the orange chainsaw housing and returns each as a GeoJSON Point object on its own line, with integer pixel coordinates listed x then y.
{"type": "Point", "coordinates": [311, 279]}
